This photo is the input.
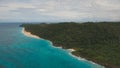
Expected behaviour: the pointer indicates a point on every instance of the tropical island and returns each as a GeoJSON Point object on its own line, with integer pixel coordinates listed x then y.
{"type": "Point", "coordinates": [95, 41]}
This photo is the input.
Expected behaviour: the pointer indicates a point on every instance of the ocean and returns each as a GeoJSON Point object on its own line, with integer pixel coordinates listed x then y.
{"type": "Point", "coordinates": [20, 51]}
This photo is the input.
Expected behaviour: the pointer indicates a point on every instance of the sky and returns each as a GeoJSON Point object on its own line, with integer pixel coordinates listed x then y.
{"type": "Point", "coordinates": [59, 10]}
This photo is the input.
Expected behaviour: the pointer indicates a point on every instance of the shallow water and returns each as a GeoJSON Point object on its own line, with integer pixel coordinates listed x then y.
{"type": "Point", "coordinates": [20, 51]}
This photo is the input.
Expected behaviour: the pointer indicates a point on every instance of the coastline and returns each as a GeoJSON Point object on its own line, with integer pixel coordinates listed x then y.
{"type": "Point", "coordinates": [29, 34]}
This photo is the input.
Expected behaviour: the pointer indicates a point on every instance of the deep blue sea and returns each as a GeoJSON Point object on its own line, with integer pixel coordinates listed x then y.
{"type": "Point", "coordinates": [20, 51]}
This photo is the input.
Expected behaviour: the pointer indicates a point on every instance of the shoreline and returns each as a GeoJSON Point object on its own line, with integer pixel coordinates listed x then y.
{"type": "Point", "coordinates": [77, 57]}
{"type": "Point", "coordinates": [29, 34]}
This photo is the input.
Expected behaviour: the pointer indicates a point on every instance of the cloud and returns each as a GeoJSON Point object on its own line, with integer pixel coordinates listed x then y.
{"type": "Point", "coordinates": [57, 10]}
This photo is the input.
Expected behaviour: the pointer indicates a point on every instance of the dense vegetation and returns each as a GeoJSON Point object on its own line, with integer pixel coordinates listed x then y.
{"type": "Point", "coordinates": [99, 42]}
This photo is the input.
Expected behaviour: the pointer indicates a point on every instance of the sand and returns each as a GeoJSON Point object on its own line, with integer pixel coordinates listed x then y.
{"type": "Point", "coordinates": [29, 34]}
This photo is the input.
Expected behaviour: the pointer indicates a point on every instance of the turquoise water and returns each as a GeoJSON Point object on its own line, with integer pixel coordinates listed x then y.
{"type": "Point", "coordinates": [20, 51]}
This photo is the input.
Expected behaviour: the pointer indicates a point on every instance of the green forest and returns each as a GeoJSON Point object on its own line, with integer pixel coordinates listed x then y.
{"type": "Point", "coordinates": [95, 41]}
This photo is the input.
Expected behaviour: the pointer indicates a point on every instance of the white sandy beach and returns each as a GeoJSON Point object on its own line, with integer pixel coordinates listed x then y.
{"type": "Point", "coordinates": [71, 50]}
{"type": "Point", "coordinates": [29, 34]}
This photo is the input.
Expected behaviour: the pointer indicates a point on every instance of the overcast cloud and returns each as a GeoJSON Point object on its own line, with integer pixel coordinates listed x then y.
{"type": "Point", "coordinates": [59, 10]}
